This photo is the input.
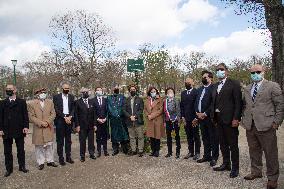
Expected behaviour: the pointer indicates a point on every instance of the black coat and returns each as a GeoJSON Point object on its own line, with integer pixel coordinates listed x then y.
{"type": "Point", "coordinates": [228, 101]}
{"type": "Point", "coordinates": [100, 112]}
{"type": "Point", "coordinates": [58, 106]}
{"type": "Point", "coordinates": [13, 118]}
{"type": "Point", "coordinates": [137, 111]}
{"type": "Point", "coordinates": [84, 116]}
{"type": "Point", "coordinates": [206, 100]}
{"type": "Point", "coordinates": [187, 104]}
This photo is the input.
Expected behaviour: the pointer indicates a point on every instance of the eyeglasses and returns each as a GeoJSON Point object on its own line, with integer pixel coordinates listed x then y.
{"type": "Point", "coordinates": [220, 69]}
{"type": "Point", "coordinates": [258, 72]}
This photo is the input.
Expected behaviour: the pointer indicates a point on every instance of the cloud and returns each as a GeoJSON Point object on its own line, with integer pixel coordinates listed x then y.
{"type": "Point", "coordinates": [134, 21]}
{"type": "Point", "coordinates": [13, 48]}
{"type": "Point", "coordinates": [195, 11]}
{"type": "Point", "coordinates": [239, 44]}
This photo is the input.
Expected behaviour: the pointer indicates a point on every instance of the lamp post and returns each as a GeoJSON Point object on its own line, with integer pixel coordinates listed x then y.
{"type": "Point", "coordinates": [14, 62]}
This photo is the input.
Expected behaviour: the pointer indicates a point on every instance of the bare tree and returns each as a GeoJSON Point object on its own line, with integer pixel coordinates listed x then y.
{"type": "Point", "coordinates": [268, 14]}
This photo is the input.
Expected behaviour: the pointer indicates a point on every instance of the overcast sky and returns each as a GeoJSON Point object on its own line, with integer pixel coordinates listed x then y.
{"type": "Point", "coordinates": [182, 25]}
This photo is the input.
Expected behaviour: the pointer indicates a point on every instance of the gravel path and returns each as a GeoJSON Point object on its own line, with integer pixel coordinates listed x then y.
{"type": "Point", "coordinates": [133, 172]}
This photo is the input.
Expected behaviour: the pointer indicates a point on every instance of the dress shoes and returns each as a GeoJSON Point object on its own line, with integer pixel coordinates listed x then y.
{"type": "Point", "coordinates": [177, 155]}
{"type": "Point", "coordinates": [140, 154]}
{"type": "Point", "coordinates": [189, 155]}
{"type": "Point", "coordinates": [168, 155]}
{"type": "Point", "coordinates": [40, 167]}
{"type": "Point", "coordinates": [62, 162]}
{"type": "Point", "coordinates": [213, 163]}
{"type": "Point", "coordinates": [234, 173]}
{"type": "Point", "coordinates": [106, 153]}
{"type": "Point", "coordinates": [252, 176]}
{"type": "Point", "coordinates": [93, 157]}
{"type": "Point", "coordinates": [51, 164]}
{"type": "Point", "coordinates": [203, 160]}
{"type": "Point", "coordinates": [223, 167]}
{"type": "Point", "coordinates": [23, 169]}
{"type": "Point", "coordinates": [82, 159]}
{"type": "Point", "coordinates": [271, 184]}
{"type": "Point", "coordinates": [196, 157]}
{"type": "Point", "coordinates": [69, 160]}
{"type": "Point", "coordinates": [8, 173]}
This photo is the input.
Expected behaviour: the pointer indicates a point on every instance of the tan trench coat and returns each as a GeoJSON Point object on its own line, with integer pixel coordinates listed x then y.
{"type": "Point", "coordinates": [155, 126]}
{"type": "Point", "coordinates": [38, 115]}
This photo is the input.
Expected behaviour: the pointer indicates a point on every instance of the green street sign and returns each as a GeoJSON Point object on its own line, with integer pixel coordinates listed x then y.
{"type": "Point", "coordinates": [135, 65]}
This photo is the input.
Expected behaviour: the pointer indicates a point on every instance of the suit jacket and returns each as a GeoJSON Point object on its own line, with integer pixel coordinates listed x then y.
{"type": "Point", "coordinates": [58, 105]}
{"type": "Point", "coordinates": [84, 116]}
{"type": "Point", "coordinates": [267, 107]}
{"type": "Point", "coordinates": [37, 115]}
{"type": "Point", "coordinates": [100, 111]}
{"type": "Point", "coordinates": [228, 101]}
{"type": "Point", "coordinates": [138, 107]}
{"type": "Point", "coordinates": [187, 105]}
{"type": "Point", "coordinates": [13, 118]}
{"type": "Point", "coordinates": [206, 100]}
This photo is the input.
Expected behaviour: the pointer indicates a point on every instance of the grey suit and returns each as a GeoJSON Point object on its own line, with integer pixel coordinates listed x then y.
{"type": "Point", "coordinates": [258, 117]}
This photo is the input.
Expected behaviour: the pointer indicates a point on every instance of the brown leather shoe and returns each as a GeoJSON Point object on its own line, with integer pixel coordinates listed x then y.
{"type": "Point", "coordinates": [272, 184]}
{"type": "Point", "coordinates": [252, 176]}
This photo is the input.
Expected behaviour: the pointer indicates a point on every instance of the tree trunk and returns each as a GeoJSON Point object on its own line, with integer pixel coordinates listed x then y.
{"type": "Point", "coordinates": [275, 22]}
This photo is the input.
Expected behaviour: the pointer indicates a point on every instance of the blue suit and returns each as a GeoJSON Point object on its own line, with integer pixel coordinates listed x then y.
{"type": "Point", "coordinates": [208, 130]}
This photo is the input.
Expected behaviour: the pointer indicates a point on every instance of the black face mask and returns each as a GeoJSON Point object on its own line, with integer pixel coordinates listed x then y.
{"type": "Point", "coordinates": [65, 91]}
{"type": "Point", "coordinates": [116, 91]}
{"type": "Point", "coordinates": [204, 81]}
{"type": "Point", "coordinates": [187, 86]}
{"type": "Point", "coordinates": [133, 93]}
{"type": "Point", "coordinates": [85, 95]}
{"type": "Point", "coordinates": [9, 92]}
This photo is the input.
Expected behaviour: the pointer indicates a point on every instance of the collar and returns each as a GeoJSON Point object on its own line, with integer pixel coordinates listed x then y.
{"type": "Point", "coordinates": [223, 80]}
{"type": "Point", "coordinates": [63, 96]}
{"type": "Point", "coordinates": [205, 86]}
{"type": "Point", "coordinates": [12, 98]}
{"type": "Point", "coordinates": [258, 83]}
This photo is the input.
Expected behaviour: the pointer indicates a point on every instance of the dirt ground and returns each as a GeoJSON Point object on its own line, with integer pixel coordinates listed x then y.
{"type": "Point", "coordinates": [133, 172]}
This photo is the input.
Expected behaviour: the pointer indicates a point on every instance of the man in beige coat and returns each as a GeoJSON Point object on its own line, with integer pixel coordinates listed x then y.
{"type": "Point", "coordinates": [263, 113]}
{"type": "Point", "coordinates": [42, 114]}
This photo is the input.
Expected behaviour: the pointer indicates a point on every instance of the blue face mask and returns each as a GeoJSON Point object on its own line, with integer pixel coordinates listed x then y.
{"type": "Point", "coordinates": [220, 74]}
{"type": "Point", "coordinates": [256, 77]}
{"type": "Point", "coordinates": [153, 94]}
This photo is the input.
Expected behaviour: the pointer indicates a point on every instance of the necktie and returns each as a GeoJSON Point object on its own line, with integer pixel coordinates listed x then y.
{"type": "Point", "coordinates": [254, 92]}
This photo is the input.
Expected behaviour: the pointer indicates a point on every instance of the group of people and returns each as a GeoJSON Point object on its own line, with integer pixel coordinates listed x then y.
{"type": "Point", "coordinates": [214, 109]}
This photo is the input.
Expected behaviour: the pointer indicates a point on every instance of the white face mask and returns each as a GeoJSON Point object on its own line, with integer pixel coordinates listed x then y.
{"type": "Point", "coordinates": [171, 95]}
{"type": "Point", "coordinates": [99, 93]}
{"type": "Point", "coordinates": [42, 96]}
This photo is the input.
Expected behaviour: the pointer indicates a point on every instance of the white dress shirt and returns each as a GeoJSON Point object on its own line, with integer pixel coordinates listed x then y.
{"type": "Point", "coordinates": [258, 86]}
{"type": "Point", "coordinates": [41, 103]}
{"type": "Point", "coordinates": [222, 82]}
{"type": "Point", "coordinates": [100, 100]}
{"type": "Point", "coordinates": [65, 104]}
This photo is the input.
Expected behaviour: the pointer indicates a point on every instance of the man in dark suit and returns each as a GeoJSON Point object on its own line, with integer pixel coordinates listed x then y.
{"type": "Point", "coordinates": [203, 111]}
{"type": "Point", "coordinates": [133, 112]}
{"type": "Point", "coordinates": [188, 98]}
{"type": "Point", "coordinates": [64, 108]}
{"type": "Point", "coordinates": [100, 121]}
{"type": "Point", "coordinates": [84, 122]}
{"type": "Point", "coordinates": [14, 124]}
{"type": "Point", "coordinates": [226, 113]}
